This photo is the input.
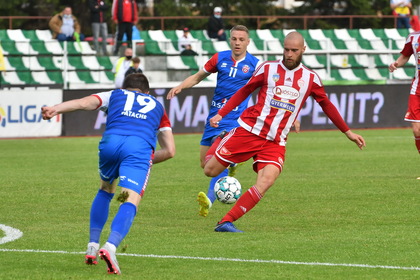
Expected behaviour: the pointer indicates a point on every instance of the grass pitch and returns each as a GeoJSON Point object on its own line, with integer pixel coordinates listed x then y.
{"type": "Point", "coordinates": [334, 213]}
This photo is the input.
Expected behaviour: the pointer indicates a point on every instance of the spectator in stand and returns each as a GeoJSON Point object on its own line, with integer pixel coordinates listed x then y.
{"type": "Point", "coordinates": [121, 66]}
{"type": "Point", "coordinates": [65, 26]}
{"type": "Point", "coordinates": [125, 15]}
{"type": "Point", "coordinates": [98, 9]}
{"type": "Point", "coordinates": [135, 68]}
{"type": "Point", "coordinates": [184, 43]}
{"type": "Point", "coordinates": [216, 27]}
{"type": "Point", "coordinates": [401, 9]}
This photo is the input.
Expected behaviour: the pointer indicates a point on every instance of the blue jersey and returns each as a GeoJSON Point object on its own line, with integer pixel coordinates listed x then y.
{"type": "Point", "coordinates": [133, 113]}
{"type": "Point", "coordinates": [231, 76]}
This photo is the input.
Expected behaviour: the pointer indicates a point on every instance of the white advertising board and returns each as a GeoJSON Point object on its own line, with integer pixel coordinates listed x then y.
{"type": "Point", "coordinates": [20, 113]}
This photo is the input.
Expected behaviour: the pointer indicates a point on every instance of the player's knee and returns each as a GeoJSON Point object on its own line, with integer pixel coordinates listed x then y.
{"type": "Point", "coordinates": [211, 170]}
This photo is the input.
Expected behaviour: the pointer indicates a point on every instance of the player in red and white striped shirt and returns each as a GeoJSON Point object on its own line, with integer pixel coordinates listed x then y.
{"type": "Point", "coordinates": [284, 87]}
{"type": "Point", "coordinates": [412, 47]}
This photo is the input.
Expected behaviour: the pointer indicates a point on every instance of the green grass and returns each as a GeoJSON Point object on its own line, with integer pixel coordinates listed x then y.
{"type": "Point", "coordinates": [333, 204]}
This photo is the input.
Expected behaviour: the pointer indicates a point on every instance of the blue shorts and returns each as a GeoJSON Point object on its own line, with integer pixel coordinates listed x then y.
{"type": "Point", "coordinates": [126, 157]}
{"type": "Point", "coordinates": [211, 132]}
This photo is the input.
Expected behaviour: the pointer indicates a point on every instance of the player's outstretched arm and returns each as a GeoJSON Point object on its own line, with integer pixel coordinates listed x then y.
{"type": "Point", "coordinates": [356, 138]}
{"type": "Point", "coordinates": [187, 83]}
{"type": "Point", "coordinates": [87, 103]}
{"type": "Point", "coordinates": [167, 146]}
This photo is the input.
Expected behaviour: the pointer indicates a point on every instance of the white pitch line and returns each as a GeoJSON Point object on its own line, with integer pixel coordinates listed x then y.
{"type": "Point", "coordinates": [10, 234]}
{"type": "Point", "coordinates": [227, 259]}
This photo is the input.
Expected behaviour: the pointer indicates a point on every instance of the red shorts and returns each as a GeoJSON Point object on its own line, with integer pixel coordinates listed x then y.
{"type": "Point", "coordinates": [413, 111]}
{"type": "Point", "coordinates": [240, 145]}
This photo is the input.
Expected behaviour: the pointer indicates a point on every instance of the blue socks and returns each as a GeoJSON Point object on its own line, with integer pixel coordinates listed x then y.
{"type": "Point", "coordinates": [210, 191]}
{"type": "Point", "coordinates": [99, 214]}
{"type": "Point", "coordinates": [122, 223]}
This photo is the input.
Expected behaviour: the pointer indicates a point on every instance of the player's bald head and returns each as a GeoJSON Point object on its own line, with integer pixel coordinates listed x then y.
{"type": "Point", "coordinates": [296, 38]}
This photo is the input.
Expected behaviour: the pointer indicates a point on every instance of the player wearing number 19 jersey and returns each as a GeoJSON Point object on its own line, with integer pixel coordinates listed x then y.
{"type": "Point", "coordinates": [135, 121]}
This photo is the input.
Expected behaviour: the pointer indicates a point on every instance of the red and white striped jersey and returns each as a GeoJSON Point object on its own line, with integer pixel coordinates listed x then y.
{"type": "Point", "coordinates": [282, 94]}
{"type": "Point", "coordinates": [412, 47]}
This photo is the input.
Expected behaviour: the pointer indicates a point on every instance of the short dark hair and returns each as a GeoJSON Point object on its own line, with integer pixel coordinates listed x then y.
{"type": "Point", "coordinates": [135, 59]}
{"type": "Point", "coordinates": [136, 81]}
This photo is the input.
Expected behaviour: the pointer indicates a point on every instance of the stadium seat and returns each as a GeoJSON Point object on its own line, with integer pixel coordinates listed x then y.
{"type": "Point", "coordinates": [340, 60]}
{"type": "Point", "coordinates": [256, 40]}
{"type": "Point", "coordinates": [272, 43]}
{"type": "Point", "coordinates": [220, 46]}
{"type": "Point", "coordinates": [56, 76]}
{"type": "Point", "coordinates": [48, 63]}
{"type": "Point", "coordinates": [41, 77]}
{"type": "Point", "coordinates": [317, 40]}
{"type": "Point", "coordinates": [349, 42]}
{"type": "Point", "coordinates": [164, 43]}
{"type": "Point", "coordinates": [374, 74]}
{"type": "Point", "coordinates": [376, 42]}
{"type": "Point", "coordinates": [313, 61]}
{"type": "Point", "coordinates": [175, 62]}
{"type": "Point", "coordinates": [91, 62]}
{"type": "Point", "coordinates": [360, 60]}
{"type": "Point", "coordinates": [401, 74]}
{"type": "Point", "coordinates": [200, 35]}
{"type": "Point", "coordinates": [190, 61]}
{"type": "Point", "coordinates": [15, 63]}
{"type": "Point", "coordinates": [101, 77]}
{"type": "Point", "coordinates": [9, 48]}
{"type": "Point", "coordinates": [253, 49]}
{"type": "Point", "coordinates": [11, 78]}
{"type": "Point", "coordinates": [151, 47]}
{"type": "Point", "coordinates": [343, 74]}
{"type": "Point", "coordinates": [322, 73]}
{"type": "Point", "coordinates": [32, 63]}
{"type": "Point", "coordinates": [76, 62]}
{"type": "Point", "coordinates": [105, 62]}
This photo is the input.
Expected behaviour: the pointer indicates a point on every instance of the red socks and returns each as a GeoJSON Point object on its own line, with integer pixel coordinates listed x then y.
{"type": "Point", "coordinates": [244, 204]}
{"type": "Point", "coordinates": [417, 141]}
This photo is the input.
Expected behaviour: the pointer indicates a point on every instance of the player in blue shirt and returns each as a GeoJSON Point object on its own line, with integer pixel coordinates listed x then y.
{"type": "Point", "coordinates": [135, 121]}
{"type": "Point", "coordinates": [234, 68]}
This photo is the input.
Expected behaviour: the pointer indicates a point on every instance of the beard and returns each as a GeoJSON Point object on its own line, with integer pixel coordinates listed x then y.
{"type": "Point", "coordinates": [292, 64]}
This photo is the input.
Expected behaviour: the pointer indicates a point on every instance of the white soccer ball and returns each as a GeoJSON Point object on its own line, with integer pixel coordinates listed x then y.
{"type": "Point", "coordinates": [227, 190]}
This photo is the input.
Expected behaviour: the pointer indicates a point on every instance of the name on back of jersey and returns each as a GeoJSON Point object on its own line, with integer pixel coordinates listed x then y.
{"type": "Point", "coordinates": [134, 115]}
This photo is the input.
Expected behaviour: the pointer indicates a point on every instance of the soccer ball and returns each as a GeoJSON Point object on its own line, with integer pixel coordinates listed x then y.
{"type": "Point", "coordinates": [227, 190]}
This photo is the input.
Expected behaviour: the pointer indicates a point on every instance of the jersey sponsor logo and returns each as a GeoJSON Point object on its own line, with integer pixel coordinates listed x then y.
{"type": "Point", "coordinates": [132, 181]}
{"type": "Point", "coordinates": [281, 105]}
{"type": "Point", "coordinates": [286, 92]}
{"type": "Point", "coordinates": [221, 104]}
{"type": "Point", "coordinates": [245, 69]}
{"type": "Point", "coordinates": [225, 152]}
